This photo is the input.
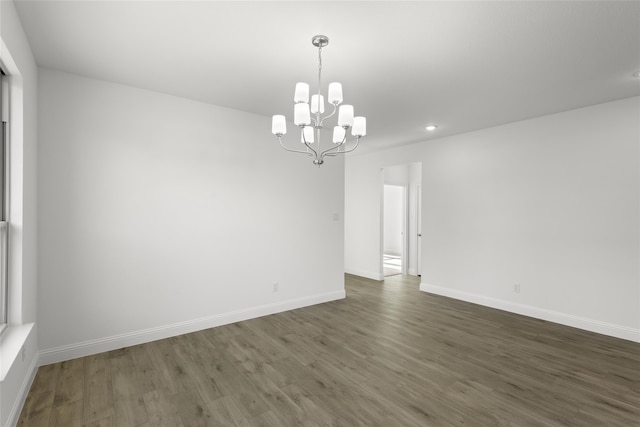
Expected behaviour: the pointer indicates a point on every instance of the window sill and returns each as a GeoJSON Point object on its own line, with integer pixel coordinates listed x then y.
{"type": "Point", "coordinates": [11, 342]}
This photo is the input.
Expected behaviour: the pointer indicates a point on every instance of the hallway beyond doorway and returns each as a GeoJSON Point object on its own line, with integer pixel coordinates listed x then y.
{"type": "Point", "coordinates": [392, 265]}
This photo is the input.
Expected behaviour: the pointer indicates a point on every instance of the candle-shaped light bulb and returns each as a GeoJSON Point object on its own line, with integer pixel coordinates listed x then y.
{"type": "Point", "coordinates": [345, 115]}
{"type": "Point", "coordinates": [359, 126]}
{"type": "Point", "coordinates": [302, 93]}
{"type": "Point", "coordinates": [338, 134]}
{"type": "Point", "coordinates": [307, 135]}
{"type": "Point", "coordinates": [335, 93]}
{"type": "Point", "coordinates": [301, 116]}
{"type": "Point", "coordinates": [317, 106]}
{"type": "Point", "coordinates": [279, 125]}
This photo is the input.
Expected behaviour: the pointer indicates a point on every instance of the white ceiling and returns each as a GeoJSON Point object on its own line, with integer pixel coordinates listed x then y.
{"type": "Point", "coordinates": [461, 65]}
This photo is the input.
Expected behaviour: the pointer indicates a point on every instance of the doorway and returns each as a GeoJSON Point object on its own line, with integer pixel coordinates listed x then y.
{"type": "Point", "coordinates": [394, 230]}
{"type": "Point", "coordinates": [400, 219]}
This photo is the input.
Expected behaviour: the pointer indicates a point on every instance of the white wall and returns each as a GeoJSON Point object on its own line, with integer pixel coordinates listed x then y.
{"type": "Point", "coordinates": [159, 215]}
{"type": "Point", "coordinates": [18, 366]}
{"type": "Point", "coordinates": [550, 203]}
{"type": "Point", "coordinates": [396, 175]}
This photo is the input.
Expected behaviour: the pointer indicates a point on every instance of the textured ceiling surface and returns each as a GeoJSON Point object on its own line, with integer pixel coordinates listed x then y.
{"type": "Point", "coordinates": [461, 65]}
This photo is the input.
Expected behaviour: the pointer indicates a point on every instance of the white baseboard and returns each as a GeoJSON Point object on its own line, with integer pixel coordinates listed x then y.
{"type": "Point", "coordinates": [363, 273]}
{"type": "Point", "coordinates": [591, 325]}
{"type": "Point", "coordinates": [86, 348]}
{"type": "Point", "coordinates": [16, 409]}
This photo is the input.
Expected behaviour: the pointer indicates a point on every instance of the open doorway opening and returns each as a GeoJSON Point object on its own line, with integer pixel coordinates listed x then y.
{"type": "Point", "coordinates": [400, 219]}
{"type": "Point", "coordinates": [394, 224]}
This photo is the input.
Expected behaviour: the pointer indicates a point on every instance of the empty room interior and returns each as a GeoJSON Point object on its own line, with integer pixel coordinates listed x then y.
{"type": "Point", "coordinates": [319, 213]}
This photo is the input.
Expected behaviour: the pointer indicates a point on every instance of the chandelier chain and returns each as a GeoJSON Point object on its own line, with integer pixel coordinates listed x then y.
{"type": "Point", "coordinates": [318, 121]}
{"type": "Point", "coordinates": [319, 67]}
{"type": "Point", "coordinates": [319, 81]}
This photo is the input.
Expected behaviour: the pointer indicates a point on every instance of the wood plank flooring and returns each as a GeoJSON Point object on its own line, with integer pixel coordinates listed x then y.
{"type": "Point", "coordinates": [387, 355]}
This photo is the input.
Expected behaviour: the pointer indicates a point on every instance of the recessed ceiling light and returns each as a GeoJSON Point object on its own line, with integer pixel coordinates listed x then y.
{"type": "Point", "coordinates": [636, 74]}
{"type": "Point", "coordinates": [431, 128]}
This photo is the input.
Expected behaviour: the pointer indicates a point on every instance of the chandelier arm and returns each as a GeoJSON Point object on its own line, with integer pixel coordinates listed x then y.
{"type": "Point", "coordinates": [334, 151]}
{"type": "Point", "coordinates": [333, 154]}
{"type": "Point", "coordinates": [296, 151]}
{"type": "Point", "coordinates": [309, 146]}
{"type": "Point", "coordinates": [335, 108]}
{"type": "Point", "coordinates": [345, 151]}
{"type": "Point", "coordinates": [354, 147]}
{"type": "Point", "coordinates": [330, 151]}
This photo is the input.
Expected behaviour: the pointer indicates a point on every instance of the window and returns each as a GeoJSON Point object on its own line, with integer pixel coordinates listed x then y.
{"type": "Point", "coordinates": [4, 226]}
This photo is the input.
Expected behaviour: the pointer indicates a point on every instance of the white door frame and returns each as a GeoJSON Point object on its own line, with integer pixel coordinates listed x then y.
{"type": "Point", "coordinates": [419, 230]}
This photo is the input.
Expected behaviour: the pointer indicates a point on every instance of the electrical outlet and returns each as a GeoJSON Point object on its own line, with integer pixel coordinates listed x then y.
{"type": "Point", "coordinates": [516, 288]}
{"type": "Point", "coordinates": [276, 287]}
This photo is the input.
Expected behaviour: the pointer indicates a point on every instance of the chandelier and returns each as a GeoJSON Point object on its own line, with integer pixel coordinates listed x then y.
{"type": "Point", "coordinates": [308, 116]}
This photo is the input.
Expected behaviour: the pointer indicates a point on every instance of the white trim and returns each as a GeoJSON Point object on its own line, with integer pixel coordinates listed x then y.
{"type": "Point", "coordinates": [365, 274]}
{"type": "Point", "coordinates": [18, 404]}
{"type": "Point", "coordinates": [617, 331]}
{"type": "Point", "coordinates": [13, 339]}
{"type": "Point", "coordinates": [405, 227]}
{"type": "Point", "coordinates": [86, 348]}
{"type": "Point", "coordinates": [419, 226]}
{"type": "Point", "coordinates": [380, 274]}
{"type": "Point", "coordinates": [15, 215]}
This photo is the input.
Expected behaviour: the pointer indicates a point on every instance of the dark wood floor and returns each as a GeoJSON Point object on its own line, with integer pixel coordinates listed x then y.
{"type": "Point", "coordinates": [388, 355]}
